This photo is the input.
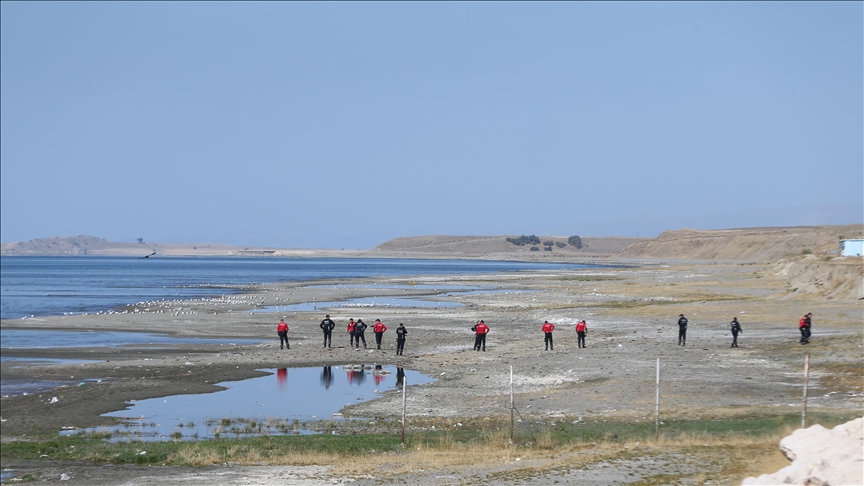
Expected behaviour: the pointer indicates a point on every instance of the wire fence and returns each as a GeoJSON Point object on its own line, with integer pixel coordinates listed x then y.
{"type": "Point", "coordinates": [643, 422]}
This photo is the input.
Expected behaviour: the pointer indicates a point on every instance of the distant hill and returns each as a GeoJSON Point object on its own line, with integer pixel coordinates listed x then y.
{"type": "Point", "coordinates": [60, 245]}
{"type": "Point", "coordinates": [749, 244]}
{"type": "Point", "coordinates": [499, 247]}
{"type": "Point", "coordinates": [90, 245]}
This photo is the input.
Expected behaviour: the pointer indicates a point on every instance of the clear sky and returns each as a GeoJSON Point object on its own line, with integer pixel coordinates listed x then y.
{"type": "Point", "coordinates": [342, 125]}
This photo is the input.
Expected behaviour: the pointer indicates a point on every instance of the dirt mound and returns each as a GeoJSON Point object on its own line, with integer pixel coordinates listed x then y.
{"type": "Point", "coordinates": [747, 244]}
{"type": "Point", "coordinates": [458, 246]}
{"type": "Point", "coordinates": [837, 278]}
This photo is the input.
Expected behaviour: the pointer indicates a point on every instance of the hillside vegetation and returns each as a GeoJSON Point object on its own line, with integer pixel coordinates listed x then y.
{"type": "Point", "coordinates": [487, 246]}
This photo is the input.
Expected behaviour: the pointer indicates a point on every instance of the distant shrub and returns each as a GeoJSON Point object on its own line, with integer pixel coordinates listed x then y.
{"type": "Point", "coordinates": [547, 248]}
{"type": "Point", "coordinates": [806, 251]}
{"type": "Point", "coordinates": [534, 248]}
{"type": "Point", "coordinates": [560, 244]}
{"type": "Point", "coordinates": [524, 240]}
{"type": "Point", "coordinates": [548, 243]}
{"type": "Point", "coordinates": [575, 241]}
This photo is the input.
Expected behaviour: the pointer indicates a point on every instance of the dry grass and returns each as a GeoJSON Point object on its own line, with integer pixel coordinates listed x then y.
{"type": "Point", "coordinates": [740, 455]}
{"type": "Point", "coordinates": [841, 377]}
{"type": "Point", "coordinates": [201, 455]}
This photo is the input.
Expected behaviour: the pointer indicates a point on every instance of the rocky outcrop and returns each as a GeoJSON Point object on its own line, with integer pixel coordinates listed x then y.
{"type": "Point", "coordinates": [820, 456]}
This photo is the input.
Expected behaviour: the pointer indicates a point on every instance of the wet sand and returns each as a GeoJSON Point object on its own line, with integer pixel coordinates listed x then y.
{"type": "Point", "coordinates": [631, 314]}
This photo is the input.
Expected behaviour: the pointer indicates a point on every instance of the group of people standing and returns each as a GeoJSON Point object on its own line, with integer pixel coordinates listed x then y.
{"type": "Point", "coordinates": [548, 327]}
{"type": "Point", "coordinates": [735, 326]}
{"type": "Point", "coordinates": [804, 327]}
{"type": "Point", "coordinates": [356, 331]}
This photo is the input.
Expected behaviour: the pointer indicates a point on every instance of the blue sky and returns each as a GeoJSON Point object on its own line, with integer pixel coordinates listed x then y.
{"type": "Point", "coordinates": [342, 125]}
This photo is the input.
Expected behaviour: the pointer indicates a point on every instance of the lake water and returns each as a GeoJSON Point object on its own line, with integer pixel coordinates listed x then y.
{"type": "Point", "coordinates": [268, 404]}
{"type": "Point", "coordinates": [54, 285]}
{"type": "Point", "coordinates": [50, 339]}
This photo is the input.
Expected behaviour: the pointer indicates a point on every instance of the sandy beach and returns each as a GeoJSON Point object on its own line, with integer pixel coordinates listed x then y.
{"type": "Point", "coordinates": [631, 312]}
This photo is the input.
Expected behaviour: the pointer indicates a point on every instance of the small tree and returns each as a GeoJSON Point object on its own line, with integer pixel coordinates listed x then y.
{"type": "Point", "coordinates": [140, 240]}
{"type": "Point", "coordinates": [523, 240]}
{"type": "Point", "coordinates": [560, 244]}
{"type": "Point", "coordinates": [534, 248]}
{"type": "Point", "coordinates": [548, 243]}
{"type": "Point", "coordinates": [575, 241]}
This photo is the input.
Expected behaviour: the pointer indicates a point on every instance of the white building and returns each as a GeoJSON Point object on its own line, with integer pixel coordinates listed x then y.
{"type": "Point", "coordinates": [854, 247]}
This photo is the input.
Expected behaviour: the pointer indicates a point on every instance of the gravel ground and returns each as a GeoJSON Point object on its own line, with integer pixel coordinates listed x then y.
{"type": "Point", "coordinates": [631, 313]}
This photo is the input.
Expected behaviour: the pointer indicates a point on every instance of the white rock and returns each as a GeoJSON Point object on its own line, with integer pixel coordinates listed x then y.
{"type": "Point", "coordinates": [821, 456]}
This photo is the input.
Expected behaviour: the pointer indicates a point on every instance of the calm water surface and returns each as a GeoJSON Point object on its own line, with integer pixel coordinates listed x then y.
{"type": "Point", "coordinates": [54, 285]}
{"type": "Point", "coordinates": [42, 339]}
{"type": "Point", "coordinates": [288, 394]}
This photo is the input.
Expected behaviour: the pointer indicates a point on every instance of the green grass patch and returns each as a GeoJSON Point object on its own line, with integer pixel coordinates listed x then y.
{"type": "Point", "coordinates": [541, 434]}
{"type": "Point", "coordinates": [158, 452]}
{"type": "Point", "coordinates": [564, 431]}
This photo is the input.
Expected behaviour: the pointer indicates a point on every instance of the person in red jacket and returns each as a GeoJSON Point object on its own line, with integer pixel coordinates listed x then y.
{"type": "Point", "coordinates": [480, 330]}
{"type": "Point", "coordinates": [804, 327]}
{"type": "Point", "coordinates": [350, 332]}
{"type": "Point", "coordinates": [282, 331]}
{"type": "Point", "coordinates": [548, 327]}
{"type": "Point", "coordinates": [581, 329]}
{"type": "Point", "coordinates": [379, 328]}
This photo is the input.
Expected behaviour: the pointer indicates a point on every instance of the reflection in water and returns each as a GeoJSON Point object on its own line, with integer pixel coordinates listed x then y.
{"type": "Point", "coordinates": [327, 377]}
{"type": "Point", "coordinates": [201, 416]}
{"type": "Point", "coordinates": [282, 376]}
{"type": "Point", "coordinates": [400, 377]}
{"type": "Point", "coordinates": [379, 374]}
{"type": "Point", "coordinates": [356, 376]}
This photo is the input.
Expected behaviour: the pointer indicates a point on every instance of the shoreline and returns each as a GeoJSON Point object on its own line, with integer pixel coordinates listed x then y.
{"type": "Point", "coordinates": [631, 312]}
{"type": "Point", "coordinates": [195, 290]}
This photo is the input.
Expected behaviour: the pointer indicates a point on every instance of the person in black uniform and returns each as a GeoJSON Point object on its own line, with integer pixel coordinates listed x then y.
{"type": "Point", "coordinates": [736, 328]}
{"type": "Point", "coordinates": [682, 330]}
{"type": "Point", "coordinates": [476, 337]}
{"type": "Point", "coordinates": [327, 325]}
{"type": "Point", "coordinates": [359, 332]}
{"type": "Point", "coordinates": [327, 376]}
{"type": "Point", "coordinates": [401, 332]}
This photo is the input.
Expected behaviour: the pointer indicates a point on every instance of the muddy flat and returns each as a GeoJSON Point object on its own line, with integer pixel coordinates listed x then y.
{"type": "Point", "coordinates": [631, 312]}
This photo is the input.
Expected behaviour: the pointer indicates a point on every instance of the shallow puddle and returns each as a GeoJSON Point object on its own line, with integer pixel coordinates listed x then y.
{"type": "Point", "coordinates": [486, 291]}
{"type": "Point", "coordinates": [17, 387]}
{"type": "Point", "coordinates": [40, 339]}
{"type": "Point", "coordinates": [21, 361]}
{"type": "Point", "coordinates": [397, 287]}
{"type": "Point", "coordinates": [399, 302]}
{"type": "Point", "coordinates": [363, 302]}
{"type": "Point", "coordinates": [289, 401]}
